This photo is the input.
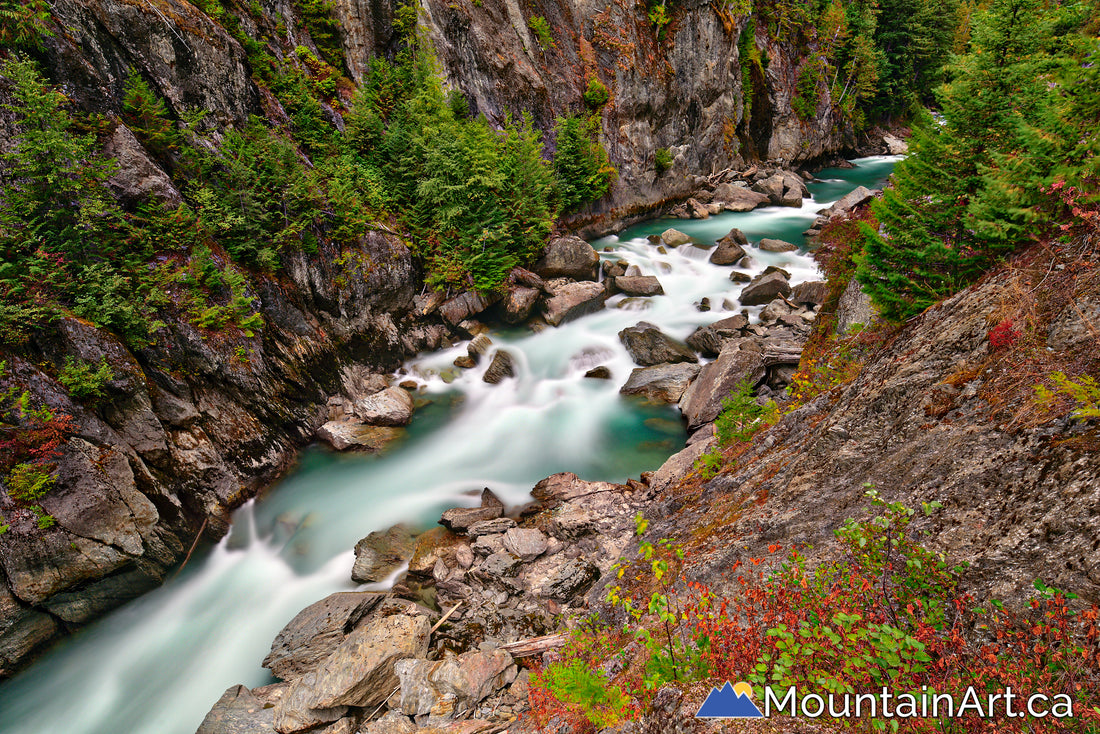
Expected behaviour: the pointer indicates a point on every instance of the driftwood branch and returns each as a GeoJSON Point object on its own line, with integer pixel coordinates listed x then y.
{"type": "Point", "coordinates": [535, 645]}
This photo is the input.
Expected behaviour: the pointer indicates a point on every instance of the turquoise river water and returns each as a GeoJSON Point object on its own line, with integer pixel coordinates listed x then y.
{"type": "Point", "coordinates": [156, 665]}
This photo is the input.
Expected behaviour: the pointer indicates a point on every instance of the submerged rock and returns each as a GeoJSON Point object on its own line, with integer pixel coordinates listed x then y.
{"type": "Point", "coordinates": [773, 245]}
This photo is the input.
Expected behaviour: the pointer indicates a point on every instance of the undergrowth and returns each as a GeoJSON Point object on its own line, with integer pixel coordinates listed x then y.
{"type": "Point", "coordinates": [886, 611]}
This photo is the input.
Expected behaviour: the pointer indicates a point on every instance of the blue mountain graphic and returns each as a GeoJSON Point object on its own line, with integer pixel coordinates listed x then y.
{"type": "Point", "coordinates": [725, 704]}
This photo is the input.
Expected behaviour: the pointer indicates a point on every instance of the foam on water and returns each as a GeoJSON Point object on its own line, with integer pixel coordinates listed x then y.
{"type": "Point", "coordinates": [156, 665]}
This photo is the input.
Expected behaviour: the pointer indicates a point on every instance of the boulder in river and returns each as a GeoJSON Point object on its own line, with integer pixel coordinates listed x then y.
{"type": "Point", "coordinates": [349, 433]}
{"type": "Point", "coordinates": [316, 631]}
{"type": "Point", "coordinates": [648, 345]}
{"type": "Point", "coordinates": [599, 373]}
{"type": "Point", "coordinates": [663, 383]}
{"type": "Point", "coordinates": [461, 518]}
{"type": "Point", "coordinates": [674, 237]}
{"type": "Point", "coordinates": [381, 553]}
{"type": "Point", "coordinates": [502, 366]}
{"type": "Point", "coordinates": [573, 300]}
{"type": "Point", "coordinates": [765, 287]}
{"type": "Point", "coordinates": [390, 407]}
{"type": "Point", "coordinates": [639, 285]}
{"type": "Point", "coordinates": [238, 711]}
{"type": "Point", "coordinates": [730, 248]}
{"type": "Point", "coordinates": [568, 257]}
{"type": "Point", "coordinates": [769, 244]}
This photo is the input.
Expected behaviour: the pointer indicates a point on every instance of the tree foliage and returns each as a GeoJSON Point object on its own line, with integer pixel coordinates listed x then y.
{"type": "Point", "coordinates": [1018, 113]}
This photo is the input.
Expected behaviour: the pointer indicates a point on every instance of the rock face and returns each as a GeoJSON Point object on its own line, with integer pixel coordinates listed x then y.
{"type": "Point", "coordinates": [238, 711]}
{"type": "Point", "coordinates": [573, 300]}
{"type": "Point", "coordinates": [568, 257]}
{"type": "Point", "coordinates": [663, 383]}
{"type": "Point", "coordinates": [137, 175]}
{"type": "Point", "coordinates": [648, 345]}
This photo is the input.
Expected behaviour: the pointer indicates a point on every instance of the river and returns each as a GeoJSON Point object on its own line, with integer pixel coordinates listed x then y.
{"type": "Point", "coordinates": [156, 665]}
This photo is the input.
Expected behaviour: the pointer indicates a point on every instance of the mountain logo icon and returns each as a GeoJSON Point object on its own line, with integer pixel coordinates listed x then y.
{"type": "Point", "coordinates": [729, 702]}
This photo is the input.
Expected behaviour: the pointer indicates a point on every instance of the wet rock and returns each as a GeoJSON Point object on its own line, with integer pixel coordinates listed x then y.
{"type": "Point", "coordinates": [22, 631]}
{"type": "Point", "coordinates": [573, 300]}
{"type": "Point", "coordinates": [764, 288]}
{"type": "Point", "coordinates": [463, 306]}
{"type": "Point", "coordinates": [702, 401]}
{"type": "Point", "coordinates": [502, 366]}
{"type": "Point", "coordinates": [568, 257]}
{"type": "Point", "coordinates": [730, 248]}
{"type": "Point", "coordinates": [773, 245]}
{"type": "Point", "coordinates": [527, 543]}
{"type": "Point", "coordinates": [390, 407]}
{"type": "Point", "coordinates": [706, 341]}
{"type": "Point", "coordinates": [598, 373]}
{"type": "Point", "coordinates": [465, 362]}
{"type": "Point", "coordinates": [358, 673]}
{"type": "Point", "coordinates": [490, 527]}
{"type": "Point", "coordinates": [663, 383]}
{"type": "Point", "coordinates": [696, 209]}
{"type": "Point", "coordinates": [569, 580]}
{"type": "Point", "coordinates": [454, 685]}
{"type": "Point", "coordinates": [479, 346]}
{"type": "Point", "coordinates": [461, 518]}
{"type": "Point", "coordinates": [316, 631]}
{"type": "Point", "coordinates": [811, 292]}
{"type": "Point", "coordinates": [381, 553]}
{"type": "Point", "coordinates": [737, 276]}
{"type": "Point", "coordinates": [519, 303]}
{"type": "Point", "coordinates": [639, 285]}
{"type": "Point", "coordinates": [674, 238]}
{"type": "Point", "coordinates": [772, 187]}
{"type": "Point", "coordinates": [432, 545]}
{"type": "Point", "coordinates": [238, 712]}
{"type": "Point", "coordinates": [349, 433]}
{"type": "Point", "coordinates": [648, 345]}
{"type": "Point", "coordinates": [731, 323]}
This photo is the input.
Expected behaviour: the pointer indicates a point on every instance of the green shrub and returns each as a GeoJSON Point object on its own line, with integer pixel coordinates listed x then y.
{"type": "Point", "coordinates": [86, 381]}
{"type": "Point", "coordinates": [147, 116]}
{"type": "Point", "coordinates": [662, 160]}
{"type": "Point", "coordinates": [581, 166]}
{"type": "Point", "coordinates": [541, 28]}
{"type": "Point", "coordinates": [741, 415]}
{"type": "Point", "coordinates": [573, 683]}
{"type": "Point", "coordinates": [807, 90]}
{"type": "Point", "coordinates": [23, 23]}
{"type": "Point", "coordinates": [596, 94]}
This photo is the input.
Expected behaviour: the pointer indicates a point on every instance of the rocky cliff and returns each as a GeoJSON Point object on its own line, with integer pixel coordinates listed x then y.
{"type": "Point", "coordinates": [191, 427]}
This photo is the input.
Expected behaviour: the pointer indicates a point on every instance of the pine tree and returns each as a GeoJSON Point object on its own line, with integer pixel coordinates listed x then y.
{"type": "Point", "coordinates": [952, 212]}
